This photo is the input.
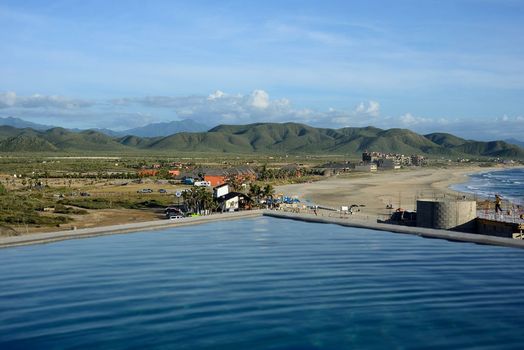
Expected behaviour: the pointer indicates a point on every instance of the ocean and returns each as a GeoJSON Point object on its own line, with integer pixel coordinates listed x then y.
{"type": "Point", "coordinates": [508, 182]}
{"type": "Point", "coordinates": [261, 283]}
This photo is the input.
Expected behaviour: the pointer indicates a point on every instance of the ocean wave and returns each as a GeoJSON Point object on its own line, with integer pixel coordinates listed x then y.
{"type": "Point", "coordinates": [507, 183]}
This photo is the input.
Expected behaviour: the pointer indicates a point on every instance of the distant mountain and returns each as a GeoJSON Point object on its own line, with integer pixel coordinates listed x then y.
{"type": "Point", "coordinates": [107, 132]}
{"type": "Point", "coordinates": [149, 130]}
{"type": "Point", "coordinates": [55, 139]}
{"type": "Point", "coordinates": [20, 123]}
{"type": "Point", "coordinates": [515, 142]}
{"type": "Point", "coordinates": [155, 129]}
{"type": "Point", "coordinates": [264, 138]}
{"type": "Point", "coordinates": [165, 129]}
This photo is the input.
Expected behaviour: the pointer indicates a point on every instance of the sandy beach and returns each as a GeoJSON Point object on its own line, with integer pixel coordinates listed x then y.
{"type": "Point", "coordinates": [374, 191]}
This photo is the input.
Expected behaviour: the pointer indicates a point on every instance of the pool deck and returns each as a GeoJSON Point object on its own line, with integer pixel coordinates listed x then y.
{"type": "Point", "coordinates": [39, 238]}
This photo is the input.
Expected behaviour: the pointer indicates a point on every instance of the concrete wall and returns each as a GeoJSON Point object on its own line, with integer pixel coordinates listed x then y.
{"type": "Point", "coordinates": [447, 214]}
{"type": "Point", "coordinates": [366, 167]}
{"type": "Point", "coordinates": [497, 228]}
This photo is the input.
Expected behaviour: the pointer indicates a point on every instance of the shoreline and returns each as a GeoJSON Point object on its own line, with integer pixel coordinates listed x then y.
{"type": "Point", "coordinates": [373, 192]}
{"type": "Point", "coordinates": [483, 196]}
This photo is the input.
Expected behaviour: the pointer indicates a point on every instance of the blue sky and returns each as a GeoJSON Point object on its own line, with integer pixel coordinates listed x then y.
{"type": "Point", "coordinates": [448, 65]}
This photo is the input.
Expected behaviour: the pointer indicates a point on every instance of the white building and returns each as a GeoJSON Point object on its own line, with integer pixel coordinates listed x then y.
{"type": "Point", "coordinates": [220, 190]}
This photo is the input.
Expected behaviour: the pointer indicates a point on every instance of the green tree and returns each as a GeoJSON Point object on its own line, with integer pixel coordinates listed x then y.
{"type": "Point", "coordinates": [255, 192]}
{"type": "Point", "coordinates": [163, 174]}
{"type": "Point", "coordinates": [3, 190]}
{"type": "Point", "coordinates": [268, 191]}
{"type": "Point", "coordinates": [198, 199]}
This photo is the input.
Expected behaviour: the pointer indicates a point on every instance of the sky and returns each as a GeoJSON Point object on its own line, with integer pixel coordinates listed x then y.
{"type": "Point", "coordinates": [427, 65]}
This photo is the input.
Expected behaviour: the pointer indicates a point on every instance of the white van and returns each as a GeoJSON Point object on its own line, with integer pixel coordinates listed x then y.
{"type": "Point", "coordinates": [202, 184]}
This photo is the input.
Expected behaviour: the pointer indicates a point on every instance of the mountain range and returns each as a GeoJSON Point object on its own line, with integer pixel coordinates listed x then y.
{"type": "Point", "coordinates": [263, 138]}
{"type": "Point", "coordinates": [515, 142]}
{"type": "Point", "coordinates": [149, 130]}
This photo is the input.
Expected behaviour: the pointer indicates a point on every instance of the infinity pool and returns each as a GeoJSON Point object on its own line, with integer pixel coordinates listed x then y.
{"type": "Point", "coordinates": [261, 283]}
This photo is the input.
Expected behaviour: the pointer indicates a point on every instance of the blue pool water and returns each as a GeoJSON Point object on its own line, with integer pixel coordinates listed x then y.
{"type": "Point", "coordinates": [261, 284]}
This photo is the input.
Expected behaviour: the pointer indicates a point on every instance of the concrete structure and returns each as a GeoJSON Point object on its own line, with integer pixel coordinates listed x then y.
{"type": "Point", "coordinates": [334, 168]}
{"type": "Point", "coordinates": [388, 164]}
{"type": "Point", "coordinates": [371, 167]}
{"type": "Point", "coordinates": [162, 224]}
{"type": "Point", "coordinates": [369, 157]}
{"type": "Point", "coordinates": [233, 201]}
{"type": "Point", "coordinates": [417, 231]}
{"type": "Point", "coordinates": [229, 202]}
{"type": "Point", "coordinates": [220, 190]}
{"type": "Point", "coordinates": [498, 228]}
{"type": "Point", "coordinates": [417, 160]}
{"type": "Point", "coordinates": [457, 215]}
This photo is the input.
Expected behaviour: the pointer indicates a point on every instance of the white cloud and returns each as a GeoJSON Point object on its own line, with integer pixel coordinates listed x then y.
{"type": "Point", "coordinates": [364, 114]}
{"type": "Point", "coordinates": [370, 108]}
{"type": "Point", "coordinates": [11, 100]}
{"type": "Point", "coordinates": [215, 95]}
{"type": "Point", "coordinates": [7, 99]}
{"type": "Point", "coordinates": [259, 99]}
{"type": "Point", "coordinates": [221, 107]}
{"type": "Point", "coordinates": [409, 119]}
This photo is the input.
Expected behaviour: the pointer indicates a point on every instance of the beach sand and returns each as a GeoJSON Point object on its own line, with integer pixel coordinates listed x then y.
{"type": "Point", "coordinates": [373, 191]}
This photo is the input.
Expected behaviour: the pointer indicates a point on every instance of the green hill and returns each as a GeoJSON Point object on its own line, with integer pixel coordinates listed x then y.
{"type": "Point", "coordinates": [445, 140]}
{"type": "Point", "coordinates": [26, 143]}
{"type": "Point", "coordinates": [491, 149]}
{"type": "Point", "coordinates": [263, 138]}
{"type": "Point", "coordinates": [56, 139]}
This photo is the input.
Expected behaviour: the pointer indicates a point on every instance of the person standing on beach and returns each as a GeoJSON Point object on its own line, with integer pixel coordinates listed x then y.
{"type": "Point", "coordinates": [498, 200]}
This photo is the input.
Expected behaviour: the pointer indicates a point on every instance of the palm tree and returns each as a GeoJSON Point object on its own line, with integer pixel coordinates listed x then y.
{"type": "Point", "coordinates": [207, 201]}
{"type": "Point", "coordinates": [198, 199]}
{"type": "Point", "coordinates": [268, 192]}
{"type": "Point", "coordinates": [255, 191]}
{"type": "Point", "coordinates": [189, 197]}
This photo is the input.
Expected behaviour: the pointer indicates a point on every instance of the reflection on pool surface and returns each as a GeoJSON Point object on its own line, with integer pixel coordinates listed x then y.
{"type": "Point", "coordinates": [261, 283]}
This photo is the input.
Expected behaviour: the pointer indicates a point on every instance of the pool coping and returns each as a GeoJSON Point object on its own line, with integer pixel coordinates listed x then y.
{"type": "Point", "coordinates": [49, 237]}
{"type": "Point", "coordinates": [412, 230]}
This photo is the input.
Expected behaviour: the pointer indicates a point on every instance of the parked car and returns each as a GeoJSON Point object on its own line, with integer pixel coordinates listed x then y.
{"type": "Point", "coordinates": [188, 181]}
{"type": "Point", "coordinates": [145, 190]}
{"type": "Point", "coordinates": [162, 190]}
